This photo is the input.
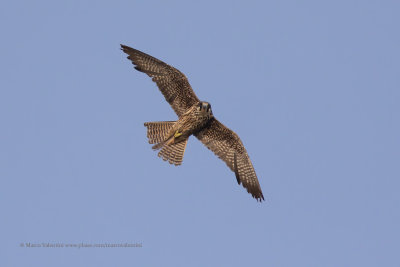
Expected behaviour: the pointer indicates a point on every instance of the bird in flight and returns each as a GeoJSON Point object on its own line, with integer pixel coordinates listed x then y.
{"type": "Point", "coordinates": [195, 117]}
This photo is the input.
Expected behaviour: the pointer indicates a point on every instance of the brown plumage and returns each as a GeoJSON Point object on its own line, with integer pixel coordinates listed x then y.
{"type": "Point", "coordinates": [172, 83]}
{"type": "Point", "coordinates": [173, 153]}
{"type": "Point", "coordinates": [157, 131]}
{"type": "Point", "coordinates": [195, 117]}
{"type": "Point", "coordinates": [227, 145]}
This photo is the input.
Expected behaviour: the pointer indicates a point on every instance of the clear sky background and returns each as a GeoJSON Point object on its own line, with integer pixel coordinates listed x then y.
{"type": "Point", "coordinates": [311, 87]}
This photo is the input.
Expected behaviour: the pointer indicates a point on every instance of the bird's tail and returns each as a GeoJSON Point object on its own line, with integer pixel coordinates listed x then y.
{"type": "Point", "coordinates": [157, 132]}
{"type": "Point", "coordinates": [173, 152]}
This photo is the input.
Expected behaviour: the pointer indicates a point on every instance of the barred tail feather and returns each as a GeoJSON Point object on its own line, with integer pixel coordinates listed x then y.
{"type": "Point", "coordinates": [158, 131]}
{"type": "Point", "coordinates": [173, 152]}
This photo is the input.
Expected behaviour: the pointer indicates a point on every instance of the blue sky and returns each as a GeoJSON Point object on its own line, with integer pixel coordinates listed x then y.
{"type": "Point", "coordinates": [311, 87]}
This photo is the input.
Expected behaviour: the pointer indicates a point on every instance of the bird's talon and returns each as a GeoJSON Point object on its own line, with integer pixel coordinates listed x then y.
{"type": "Point", "coordinates": [177, 134]}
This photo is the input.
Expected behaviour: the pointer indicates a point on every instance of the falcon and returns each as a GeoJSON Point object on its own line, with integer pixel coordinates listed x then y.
{"type": "Point", "coordinates": [196, 118]}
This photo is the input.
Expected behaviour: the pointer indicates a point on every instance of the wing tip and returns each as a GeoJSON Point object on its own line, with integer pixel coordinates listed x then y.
{"type": "Point", "coordinates": [127, 49]}
{"type": "Point", "coordinates": [260, 197]}
{"type": "Point", "coordinates": [124, 46]}
{"type": "Point", "coordinates": [257, 194]}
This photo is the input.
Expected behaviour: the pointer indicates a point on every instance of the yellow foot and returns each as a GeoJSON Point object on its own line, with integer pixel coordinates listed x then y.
{"type": "Point", "coordinates": [177, 134]}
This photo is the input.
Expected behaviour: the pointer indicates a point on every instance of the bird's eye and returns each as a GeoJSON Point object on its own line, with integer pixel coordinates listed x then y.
{"type": "Point", "coordinates": [208, 108]}
{"type": "Point", "coordinates": [200, 106]}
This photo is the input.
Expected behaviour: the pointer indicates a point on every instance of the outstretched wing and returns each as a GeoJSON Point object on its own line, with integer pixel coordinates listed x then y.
{"type": "Point", "coordinates": [227, 145]}
{"type": "Point", "coordinates": [172, 83]}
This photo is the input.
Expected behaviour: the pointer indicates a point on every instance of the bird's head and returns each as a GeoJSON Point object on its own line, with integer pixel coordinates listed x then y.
{"type": "Point", "coordinates": [205, 108]}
